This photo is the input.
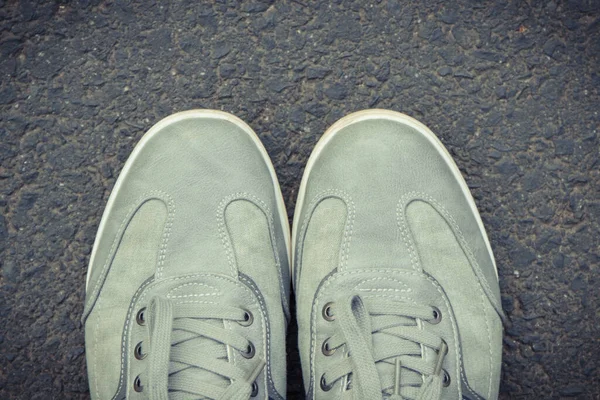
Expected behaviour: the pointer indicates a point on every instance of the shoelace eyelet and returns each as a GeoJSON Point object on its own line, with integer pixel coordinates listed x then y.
{"type": "Point", "coordinates": [140, 317]}
{"type": "Point", "coordinates": [327, 313]}
{"type": "Point", "coordinates": [137, 384]}
{"type": "Point", "coordinates": [324, 386]}
{"type": "Point", "coordinates": [254, 389]}
{"type": "Point", "coordinates": [248, 319]}
{"type": "Point", "coordinates": [327, 351]}
{"type": "Point", "coordinates": [250, 352]}
{"type": "Point", "coordinates": [138, 353]}
{"type": "Point", "coordinates": [437, 316]}
{"type": "Point", "coordinates": [446, 379]}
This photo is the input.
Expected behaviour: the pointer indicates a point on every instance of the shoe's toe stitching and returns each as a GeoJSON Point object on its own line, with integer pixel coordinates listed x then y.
{"type": "Point", "coordinates": [187, 287]}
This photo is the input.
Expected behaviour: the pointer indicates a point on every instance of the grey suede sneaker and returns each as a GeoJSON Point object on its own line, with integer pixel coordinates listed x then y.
{"type": "Point", "coordinates": [396, 286]}
{"type": "Point", "coordinates": [188, 283]}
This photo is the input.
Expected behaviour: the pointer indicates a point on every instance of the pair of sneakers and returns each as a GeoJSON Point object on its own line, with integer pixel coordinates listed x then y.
{"type": "Point", "coordinates": [187, 291]}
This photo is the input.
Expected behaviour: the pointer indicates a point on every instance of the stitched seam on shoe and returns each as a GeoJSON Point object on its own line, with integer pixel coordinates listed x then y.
{"type": "Point", "coordinates": [348, 229]}
{"type": "Point", "coordinates": [385, 290]}
{"type": "Point", "coordinates": [184, 296]}
{"type": "Point", "coordinates": [329, 280]}
{"type": "Point", "coordinates": [214, 293]}
{"type": "Point", "coordinates": [270, 221]}
{"type": "Point", "coordinates": [348, 232]}
{"type": "Point", "coordinates": [118, 237]}
{"type": "Point", "coordinates": [192, 276]}
{"type": "Point", "coordinates": [381, 278]}
{"type": "Point", "coordinates": [390, 296]}
{"type": "Point", "coordinates": [125, 333]}
{"type": "Point", "coordinates": [266, 329]}
{"type": "Point", "coordinates": [313, 339]}
{"type": "Point", "coordinates": [223, 236]}
{"type": "Point", "coordinates": [471, 391]}
{"type": "Point", "coordinates": [162, 254]}
{"type": "Point", "coordinates": [310, 210]}
{"type": "Point", "coordinates": [300, 249]}
{"type": "Point", "coordinates": [487, 327]}
{"type": "Point", "coordinates": [226, 240]}
{"type": "Point", "coordinates": [465, 247]}
{"type": "Point", "coordinates": [196, 302]}
{"type": "Point", "coordinates": [96, 355]}
{"type": "Point", "coordinates": [100, 283]}
{"type": "Point", "coordinates": [457, 231]}
{"type": "Point", "coordinates": [404, 232]}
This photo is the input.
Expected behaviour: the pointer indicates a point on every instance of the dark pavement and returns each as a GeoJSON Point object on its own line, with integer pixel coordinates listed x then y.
{"type": "Point", "coordinates": [511, 87]}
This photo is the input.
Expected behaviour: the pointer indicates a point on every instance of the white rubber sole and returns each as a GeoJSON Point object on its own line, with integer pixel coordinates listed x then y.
{"type": "Point", "coordinates": [194, 114]}
{"type": "Point", "coordinates": [393, 116]}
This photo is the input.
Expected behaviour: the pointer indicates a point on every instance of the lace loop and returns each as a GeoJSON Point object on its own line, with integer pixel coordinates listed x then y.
{"type": "Point", "coordinates": [354, 322]}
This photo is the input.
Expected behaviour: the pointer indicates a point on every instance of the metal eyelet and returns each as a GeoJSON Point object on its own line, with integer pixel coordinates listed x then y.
{"type": "Point", "coordinates": [248, 319]}
{"type": "Point", "coordinates": [138, 353]}
{"type": "Point", "coordinates": [250, 352]}
{"type": "Point", "coordinates": [324, 386]}
{"type": "Point", "coordinates": [254, 389]}
{"type": "Point", "coordinates": [327, 351]}
{"type": "Point", "coordinates": [437, 316]}
{"type": "Point", "coordinates": [137, 384]}
{"type": "Point", "coordinates": [446, 379]}
{"type": "Point", "coordinates": [327, 313]}
{"type": "Point", "coordinates": [140, 317]}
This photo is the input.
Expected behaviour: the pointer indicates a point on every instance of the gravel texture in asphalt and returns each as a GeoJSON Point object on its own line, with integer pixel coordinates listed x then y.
{"type": "Point", "coordinates": [510, 87]}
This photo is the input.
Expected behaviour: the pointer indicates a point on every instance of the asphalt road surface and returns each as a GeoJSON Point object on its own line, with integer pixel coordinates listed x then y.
{"type": "Point", "coordinates": [511, 87]}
